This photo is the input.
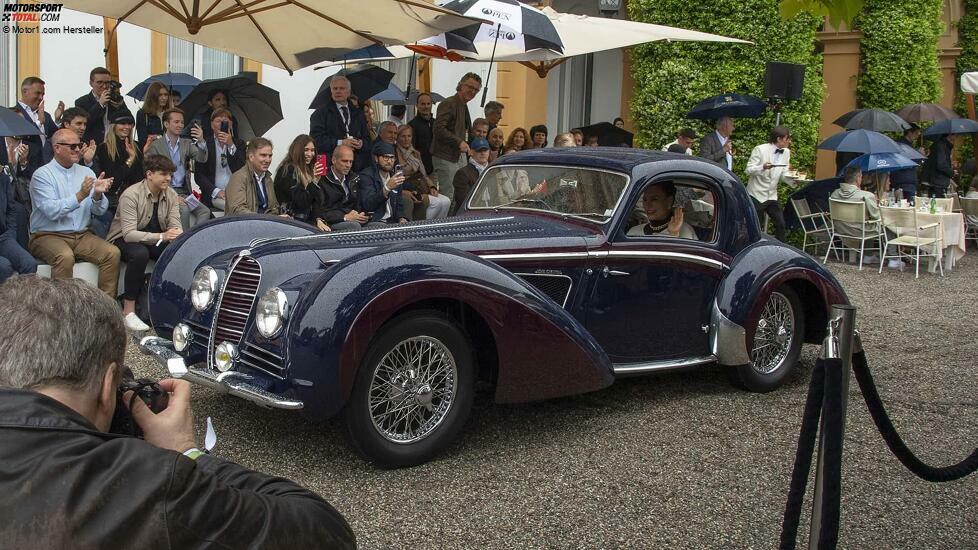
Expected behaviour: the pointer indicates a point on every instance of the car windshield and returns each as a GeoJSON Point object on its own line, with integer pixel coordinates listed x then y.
{"type": "Point", "coordinates": [584, 192]}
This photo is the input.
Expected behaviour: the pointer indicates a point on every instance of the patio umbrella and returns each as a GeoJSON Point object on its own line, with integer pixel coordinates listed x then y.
{"type": "Point", "coordinates": [882, 162]}
{"type": "Point", "coordinates": [925, 112]}
{"type": "Point", "coordinates": [366, 81]}
{"type": "Point", "coordinates": [510, 15]}
{"type": "Point", "coordinates": [412, 98]}
{"type": "Point", "coordinates": [286, 34]}
{"type": "Point", "coordinates": [608, 134]}
{"type": "Point", "coordinates": [731, 105]}
{"type": "Point", "coordinates": [860, 141]}
{"type": "Point", "coordinates": [910, 152]}
{"type": "Point", "coordinates": [876, 120]}
{"type": "Point", "coordinates": [951, 126]}
{"type": "Point", "coordinates": [256, 107]}
{"type": "Point", "coordinates": [181, 82]}
{"type": "Point", "coordinates": [12, 124]}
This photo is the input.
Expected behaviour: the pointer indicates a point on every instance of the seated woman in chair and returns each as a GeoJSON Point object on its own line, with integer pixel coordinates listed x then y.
{"type": "Point", "coordinates": [664, 218]}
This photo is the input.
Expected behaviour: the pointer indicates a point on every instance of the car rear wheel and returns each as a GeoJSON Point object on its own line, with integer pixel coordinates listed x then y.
{"type": "Point", "coordinates": [776, 345]}
{"type": "Point", "coordinates": [413, 392]}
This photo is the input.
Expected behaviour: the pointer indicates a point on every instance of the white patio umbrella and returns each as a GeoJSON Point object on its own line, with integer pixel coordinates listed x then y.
{"type": "Point", "coordinates": [289, 34]}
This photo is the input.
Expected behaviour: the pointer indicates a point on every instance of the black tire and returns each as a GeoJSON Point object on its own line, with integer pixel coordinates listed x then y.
{"type": "Point", "coordinates": [407, 390]}
{"type": "Point", "coordinates": [771, 373]}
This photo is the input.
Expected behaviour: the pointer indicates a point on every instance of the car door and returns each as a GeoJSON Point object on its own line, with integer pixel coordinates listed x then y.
{"type": "Point", "coordinates": [652, 294]}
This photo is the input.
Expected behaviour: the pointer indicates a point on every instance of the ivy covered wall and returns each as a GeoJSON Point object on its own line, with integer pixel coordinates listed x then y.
{"type": "Point", "coordinates": [672, 77]}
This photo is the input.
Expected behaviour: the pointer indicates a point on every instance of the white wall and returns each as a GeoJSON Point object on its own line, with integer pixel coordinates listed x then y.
{"type": "Point", "coordinates": [446, 74]}
{"type": "Point", "coordinates": [606, 86]}
{"type": "Point", "coordinates": [295, 92]}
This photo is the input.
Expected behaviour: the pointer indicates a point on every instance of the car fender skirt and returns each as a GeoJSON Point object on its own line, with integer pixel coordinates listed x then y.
{"type": "Point", "coordinates": [728, 340]}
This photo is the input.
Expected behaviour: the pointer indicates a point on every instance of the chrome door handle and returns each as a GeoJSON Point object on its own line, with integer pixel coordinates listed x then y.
{"type": "Point", "coordinates": [613, 272]}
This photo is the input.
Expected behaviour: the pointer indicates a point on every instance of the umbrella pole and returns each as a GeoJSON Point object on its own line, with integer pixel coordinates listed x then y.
{"type": "Point", "coordinates": [407, 91]}
{"type": "Point", "coordinates": [485, 89]}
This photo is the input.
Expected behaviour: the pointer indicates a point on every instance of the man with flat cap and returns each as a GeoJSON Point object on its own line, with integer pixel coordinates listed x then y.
{"type": "Point", "coordinates": [380, 187]}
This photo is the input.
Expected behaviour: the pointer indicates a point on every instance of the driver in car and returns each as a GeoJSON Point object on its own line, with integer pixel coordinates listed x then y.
{"type": "Point", "coordinates": [658, 201]}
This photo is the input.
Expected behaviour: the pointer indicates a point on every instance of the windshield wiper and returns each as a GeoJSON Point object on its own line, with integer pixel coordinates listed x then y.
{"type": "Point", "coordinates": [524, 199]}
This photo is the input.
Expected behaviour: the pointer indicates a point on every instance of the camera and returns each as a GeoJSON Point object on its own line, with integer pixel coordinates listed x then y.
{"type": "Point", "coordinates": [115, 93]}
{"type": "Point", "coordinates": [149, 391]}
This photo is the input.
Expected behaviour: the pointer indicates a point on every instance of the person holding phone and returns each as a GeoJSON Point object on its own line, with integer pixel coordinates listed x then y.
{"type": "Point", "coordinates": [184, 153]}
{"type": "Point", "coordinates": [121, 158]}
{"type": "Point", "coordinates": [297, 182]}
{"type": "Point", "coordinates": [381, 186]}
{"type": "Point", "coordinates": [766, 168]}
{"type": "Point", "coordinates": [225, 156]}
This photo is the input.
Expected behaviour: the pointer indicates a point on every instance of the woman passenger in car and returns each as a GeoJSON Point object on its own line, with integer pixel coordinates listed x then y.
{"type": "Point", "coordinates": [664, 218]}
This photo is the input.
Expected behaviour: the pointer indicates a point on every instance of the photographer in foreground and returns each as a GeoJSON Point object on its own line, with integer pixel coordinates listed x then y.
{"type": "Point", "coordinates": [69, 484]}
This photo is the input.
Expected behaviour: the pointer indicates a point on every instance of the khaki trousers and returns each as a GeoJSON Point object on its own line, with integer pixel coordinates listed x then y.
{"type": "Point", "coordinates": [59, 250]}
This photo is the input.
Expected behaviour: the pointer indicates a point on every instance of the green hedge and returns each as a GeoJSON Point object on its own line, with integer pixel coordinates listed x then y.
{"type": "Point", "coordinates": [968, 61]}
{"type": "Point", "coordinates": [672, 77]}
{"type": "Point", "coordinates": [899, 53]}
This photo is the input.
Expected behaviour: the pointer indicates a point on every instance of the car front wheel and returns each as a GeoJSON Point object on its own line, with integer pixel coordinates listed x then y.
{"type": "Point", "coordinates": [413, 392]}
{"type": "Point", "coordinates": [776, 345]}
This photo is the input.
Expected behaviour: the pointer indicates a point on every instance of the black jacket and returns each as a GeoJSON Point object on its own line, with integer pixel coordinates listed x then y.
{"type": "Point", "coordinates": [465, 180]}
{"type": "Point", "coordinates": [9, 209]}
{"type": "Point", "coordinates": [938, 170]}
{"type": "Point", "coordinates": [96, 117]}
{"type": "Point", "coordinates": [68, 485]}
{"type": "Point", "coordinates": [372, 197]}
{"type": "Point", "coordinates": [306, 202]}
{"type": "Point", "coordinates": [124, 174]}
{"type": "Point", "coordinates": [336, 204]}
{"type": "Point", "coordinates": [423, 131]}
{"type": "Point", "coordinates": [904, 179]}
{"type": "Point", "coordinates": [205, 173]}
{"type": "Point", "coordinates": [147, 125]}
{"type": "Point", "coordinates": [35, 149]}
{"type": "Point", "coordinates": [326, 128]}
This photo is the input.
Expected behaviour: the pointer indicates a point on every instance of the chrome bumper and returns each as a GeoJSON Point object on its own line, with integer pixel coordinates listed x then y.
{"type": "Point", "coordinates": [233, 383]}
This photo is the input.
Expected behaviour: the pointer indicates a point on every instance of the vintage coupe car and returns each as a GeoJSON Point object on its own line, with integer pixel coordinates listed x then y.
{"type": "Point", "coordinates": [549, 282]}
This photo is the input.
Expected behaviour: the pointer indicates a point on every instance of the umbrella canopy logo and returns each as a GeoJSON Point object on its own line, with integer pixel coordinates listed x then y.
{"type": "Point", "coordinates": [882, 163]}
{"type": "Point", "coordinates": [505, 35]}
{"type": "Point", "coordinates": [495, 14]}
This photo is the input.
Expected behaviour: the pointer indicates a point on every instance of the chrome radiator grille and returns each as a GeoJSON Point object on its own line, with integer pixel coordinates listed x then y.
{"type": "Point", "coordinates": [236, 302]}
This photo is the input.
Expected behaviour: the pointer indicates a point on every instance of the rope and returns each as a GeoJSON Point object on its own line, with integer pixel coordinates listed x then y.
{"type": "Point", "coordinates": [893, 440]}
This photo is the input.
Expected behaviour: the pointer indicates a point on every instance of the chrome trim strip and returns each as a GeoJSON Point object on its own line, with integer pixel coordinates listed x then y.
{"type": "Point", "coordinates": [652, 366]}
{"type": "Point", "coordinates": [245, 352]}
{"type": "Point", "coordinates": [570, 285]}
{"type": "Point", "coordinates": [728, 340]}
{"type": "Point", "coordinates": [399, 227]}
{"type": "Point", "coordinates": [535, 256]}
{"type": "Point", "coordinates": [691, 258]}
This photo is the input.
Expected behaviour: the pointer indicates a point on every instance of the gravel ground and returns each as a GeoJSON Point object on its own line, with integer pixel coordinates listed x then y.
{"type": "Point", "coordinates": [678, 460]}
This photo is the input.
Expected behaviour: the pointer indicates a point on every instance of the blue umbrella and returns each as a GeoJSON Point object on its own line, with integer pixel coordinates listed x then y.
{"type": "Point", "coordinates": [12, 124]}
{"type": "Point", "coordinates": [952, 126]}
{"type": "Point", "coordinates": [392, 92]}
{"type": "Point", "coordinates": [860, 141]}
{"type": "Point", "coordinates": [882, 162]}
{"type": "Point", "coordinates": [412, 98]}
{"type": "Point", "coordinates": [181, 82]}
{"type": "Point", "coordinates": [910, 152]}
{"type": "Point", "coordinates": [731, 105]}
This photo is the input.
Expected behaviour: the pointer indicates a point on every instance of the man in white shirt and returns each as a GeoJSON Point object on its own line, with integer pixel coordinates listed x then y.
{"type": "Point", "coordinates": [766, 168]}
{"type": "Point", "coordinates": [685, 138]}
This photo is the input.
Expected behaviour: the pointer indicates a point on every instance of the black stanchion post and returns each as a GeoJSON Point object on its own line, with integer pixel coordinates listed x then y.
{"type": "Point", "coordinates": [838, 344]}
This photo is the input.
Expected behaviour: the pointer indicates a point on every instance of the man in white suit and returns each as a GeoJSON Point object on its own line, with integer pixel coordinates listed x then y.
{"type": "Point", "coordinates": [766, 168]}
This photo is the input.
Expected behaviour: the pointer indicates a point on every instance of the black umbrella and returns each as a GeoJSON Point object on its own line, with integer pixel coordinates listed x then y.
{"type": "Point", "coordinates": [926, 112]}
{"type": "Point", "coordinates": [860, 141]}
{"type": "Point", "coordinates": [388, 99]}
{"type": "Point", "coordinates": [952, 126]}
{"type": "Point", "coordinates": [12, 124]}
{"type": "Point", "coordinates": [608, 134]}
{"type": "Point", "coordinates": [876, 120]}
{"type": "Point", "coordinates": [731, 105]}
{"type": "Point", "coordinates": [366, 81]}
{"type": "Point", "coordinates": [256, 107]}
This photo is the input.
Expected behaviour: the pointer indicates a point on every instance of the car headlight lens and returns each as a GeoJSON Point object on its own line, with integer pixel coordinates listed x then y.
{"type": "Point", "coordinates": [181, 337]}
{"type": "Point", "coordinates": [203, 288]}
{"type": "Point", "coordinates": [225, 356]}
{"type": "Point", "coordinates": [272, 311]}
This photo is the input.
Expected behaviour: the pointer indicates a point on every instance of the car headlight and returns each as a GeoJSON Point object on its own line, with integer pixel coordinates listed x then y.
{"type": "Point", "coordinates": [225, 355]}
{"type": "Point", "coordinates": [203, 288]}
{"type": "Point", "coordinates": [272, 311]}
{"type": "Point", "coordinates": [181, 337]}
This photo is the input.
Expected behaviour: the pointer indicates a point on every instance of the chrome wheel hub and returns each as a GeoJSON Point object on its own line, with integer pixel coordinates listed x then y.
{"type": "Point", "coordinates": [412, 389]}
{"type": "Point", "coordinates": [772, 339]}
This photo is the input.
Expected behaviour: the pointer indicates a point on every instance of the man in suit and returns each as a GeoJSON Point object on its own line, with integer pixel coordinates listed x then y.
{"type": "Point", "coordinates": [466, 176]}
{"type": "Point", "coordinates": [216, 99]}
{"type": "Point", "coordinates": [31, 107]}
{"type": "Point", "coordinates": [98, 103]}
{"type": "Point", "coordinates": [184, 153]}
{"type": "Point", "coordinates": [765, 170]}
{"type": "Point", "coordinates": [452, 123]}
{"type": "Point", "coordinates": [717, 146]}
{"type": "Point", "coordinates": [225, 156]}
{"type": "Point", "coordinates": [14, 258]}
{"type": "Point", "coordinates": [423, 125]}
{"type": "Point", "coordinates": [380, 187]}
{"type": "Point", "coordinates": [341, 207]}
{"type": "Point", "coordinates": [938, 168]}
{"type": "Point", "coordinates": [250, 189]}
{"type": "Point", "coordinates": [339, 122]}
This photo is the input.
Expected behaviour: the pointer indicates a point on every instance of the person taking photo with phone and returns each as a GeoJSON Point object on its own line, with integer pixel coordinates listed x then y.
{"type": "Point", "coordinates": [225, 156]}
{"type": "Point", "coordinates": [297, 182]}
{"type": "Point", "coordinates": [185, 154]}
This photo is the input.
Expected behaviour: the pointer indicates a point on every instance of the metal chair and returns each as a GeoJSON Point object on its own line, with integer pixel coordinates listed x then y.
{"type": "Point", "coordinates": [902, 222]}
{"type": "Point", "coordinates": [815, 224]}
{"type": "Point", "coordinates": [969, 208]}
{"type": "Point", "coordinates": [848, 222]}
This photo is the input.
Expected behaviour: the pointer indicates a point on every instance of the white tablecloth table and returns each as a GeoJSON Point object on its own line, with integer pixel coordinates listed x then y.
{"type": "Point", "coordinates": [952, 231]}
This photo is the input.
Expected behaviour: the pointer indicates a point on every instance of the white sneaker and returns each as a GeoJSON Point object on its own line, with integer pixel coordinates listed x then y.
{"type": "Point", "coordinates": [134, 323]}
{"type": "Point", "coordinates": [895, 263]}
{"type": "Point", "coordinates": [868, 260]}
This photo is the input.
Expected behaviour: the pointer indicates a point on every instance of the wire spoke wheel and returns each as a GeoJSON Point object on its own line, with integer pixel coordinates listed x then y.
{"type": "Point", "coordinates": [774, 334]}
{"type": "Point", "coordinates": [412, 389]}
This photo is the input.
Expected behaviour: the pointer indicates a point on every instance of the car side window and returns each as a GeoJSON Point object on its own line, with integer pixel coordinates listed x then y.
{"type": "Point", "coordinates": [674, 209]}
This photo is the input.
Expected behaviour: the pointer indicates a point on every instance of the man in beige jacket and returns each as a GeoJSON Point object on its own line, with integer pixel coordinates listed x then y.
{"type": "Point", "coordinates": [250, 189]}
{"type": "Point", "coordinates": [146, 220]}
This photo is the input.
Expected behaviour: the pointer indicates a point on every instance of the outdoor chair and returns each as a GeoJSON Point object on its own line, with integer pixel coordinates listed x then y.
{"type": "Point", "coordinates": [902, 222]}
{"type": "Point", "coordinates": [849, 225]}
{"type": "Point", "coordinates": [955, 203]}
{"type": "Point", "coordinates": [969, 207]}
{"type": "Point", "coordinates": [815, 224]}
{"type": "Point", "coordinates": [945, 204]}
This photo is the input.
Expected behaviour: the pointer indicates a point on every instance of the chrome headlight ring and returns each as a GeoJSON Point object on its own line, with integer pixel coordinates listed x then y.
{"type": "Point", "coordinates": [203, 288]}
{"type": "Point", "coordinates": [272, 312]}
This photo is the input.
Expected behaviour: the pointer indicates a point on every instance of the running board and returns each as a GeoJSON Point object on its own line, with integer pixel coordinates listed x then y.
{"type": "Point", "coordinates": [622, 369]}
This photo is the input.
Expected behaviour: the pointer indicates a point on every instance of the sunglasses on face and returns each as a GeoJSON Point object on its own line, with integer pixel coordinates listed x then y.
{"type": "Point", "coordinates": [72, 146]}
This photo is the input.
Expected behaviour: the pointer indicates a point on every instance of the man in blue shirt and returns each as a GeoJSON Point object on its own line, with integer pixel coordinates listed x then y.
{"type": "Point", "coordinates": [65, 194]}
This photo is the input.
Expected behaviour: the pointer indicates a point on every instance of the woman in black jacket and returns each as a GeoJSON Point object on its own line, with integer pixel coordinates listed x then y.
{"type": "Point", "coordinates": [297, 183]}
{"type": "Point", "coordinates": [148, 121]}
{"type": "Point", "coordinates": [120, 158]}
